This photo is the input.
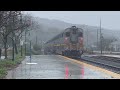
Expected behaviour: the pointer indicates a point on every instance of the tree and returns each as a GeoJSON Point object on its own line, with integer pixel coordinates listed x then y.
{"type": "Point", "coordinates": [5, 27]}
{"type": "Point", "coordinates": [23, 26]}
{"type": "Point", "coordinates": [106, 43]}
{"type": "Point", "coordinates": [12, 26]}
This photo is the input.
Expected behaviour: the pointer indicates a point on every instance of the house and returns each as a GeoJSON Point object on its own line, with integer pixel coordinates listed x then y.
{"type": "Point", "coordinates": [115, 46]}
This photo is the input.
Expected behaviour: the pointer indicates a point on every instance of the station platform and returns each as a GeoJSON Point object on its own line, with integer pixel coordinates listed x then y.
{"type": "Point", "coordinates": [57, 67]}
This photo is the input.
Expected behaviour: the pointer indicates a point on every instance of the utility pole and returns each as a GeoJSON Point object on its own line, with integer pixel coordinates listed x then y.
{"type": "Point", "coordinates": [87, 38]}
{"type": "Point", "coordinates": [100, 37]}
{"type": "Point", "coordinates": [25, 41]}
{"type": "Point", "coordinates": [30, 51]}
{"type": "Point", "coordinates": [97, 39]}
{"type": "Point", "coordinates": [36, 37]}
{"type": "Point", "coordinates": [30, 47]}
{"type": "Point", "coordinates": [13, 56]}
{"type": "Point", "coordinates": [21, 34]}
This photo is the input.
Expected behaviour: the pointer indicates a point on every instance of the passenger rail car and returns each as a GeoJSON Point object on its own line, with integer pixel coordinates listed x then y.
{"type": "Point", "coordinates": [68, 43]}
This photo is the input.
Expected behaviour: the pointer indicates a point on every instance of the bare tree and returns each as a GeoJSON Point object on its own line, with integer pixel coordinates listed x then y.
{"type": "Point", "coordinates": [12, 26]}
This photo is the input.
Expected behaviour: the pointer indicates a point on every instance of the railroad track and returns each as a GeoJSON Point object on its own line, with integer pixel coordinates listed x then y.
{"type": "Point", "coordinates": [113, 59]}
{"type": "Point", "coordinates": [110, 65]}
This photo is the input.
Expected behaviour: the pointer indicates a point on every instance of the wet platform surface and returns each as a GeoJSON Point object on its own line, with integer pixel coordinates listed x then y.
{"type": "Point", "coordinates": [53, 67]}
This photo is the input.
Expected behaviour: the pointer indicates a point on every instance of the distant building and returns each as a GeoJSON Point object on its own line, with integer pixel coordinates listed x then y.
{"type": "Point", "coordinates": [115, 46]}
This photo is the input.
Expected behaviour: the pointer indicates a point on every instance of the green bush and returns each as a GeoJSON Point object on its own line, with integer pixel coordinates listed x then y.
{"type": "Point", "coordinates": [7, 63]}
{"type": "Point", "coordinates": [3, 73]}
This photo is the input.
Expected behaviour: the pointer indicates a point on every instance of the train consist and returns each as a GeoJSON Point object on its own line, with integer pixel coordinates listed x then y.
{"type": "Point", "coordinates": [68, 43]}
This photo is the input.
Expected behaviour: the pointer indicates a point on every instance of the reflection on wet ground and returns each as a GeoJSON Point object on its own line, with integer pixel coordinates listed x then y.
{"type": "Point", "coordinates": [53, 67]}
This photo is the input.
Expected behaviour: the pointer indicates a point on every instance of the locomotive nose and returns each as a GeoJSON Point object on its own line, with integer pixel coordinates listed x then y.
{"type": "Point", "coordinates": [74, 38]}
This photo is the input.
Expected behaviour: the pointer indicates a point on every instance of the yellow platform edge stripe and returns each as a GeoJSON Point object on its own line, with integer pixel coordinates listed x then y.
{"type": "Point", "coordinates": [114, 75]}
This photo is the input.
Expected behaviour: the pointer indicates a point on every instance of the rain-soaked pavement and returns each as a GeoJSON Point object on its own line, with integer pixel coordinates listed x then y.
{"type": "Point", "coordinates": [53, 67]}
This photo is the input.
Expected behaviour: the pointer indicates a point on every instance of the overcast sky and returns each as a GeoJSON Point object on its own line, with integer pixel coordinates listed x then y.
{"type": "Point", "coordinates": [109, 19]}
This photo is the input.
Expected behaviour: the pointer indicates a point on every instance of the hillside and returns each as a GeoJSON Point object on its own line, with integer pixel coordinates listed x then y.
{"type": "Point", "coordinates": [49, 28]}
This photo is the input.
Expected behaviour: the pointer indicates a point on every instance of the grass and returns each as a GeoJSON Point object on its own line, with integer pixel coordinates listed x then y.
{"type": "Point", "coordinates": [3, 72]}
{"type": "Point", "coordinates": [9, 64]}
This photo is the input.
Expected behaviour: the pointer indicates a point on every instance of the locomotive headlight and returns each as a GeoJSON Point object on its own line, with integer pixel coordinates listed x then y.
{"type": "Point", "coordinates": [66, 38]}
{"type": "Point", "coordinates": [81, 39]}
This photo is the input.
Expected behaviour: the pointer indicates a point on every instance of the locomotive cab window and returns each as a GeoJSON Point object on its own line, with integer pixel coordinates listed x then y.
{"type": "Point", "coordinates": [74, 31]}
{"type": "Point", "coordinates": [80, 34]}
{"type": "Point", "coordinates": [67, 34]}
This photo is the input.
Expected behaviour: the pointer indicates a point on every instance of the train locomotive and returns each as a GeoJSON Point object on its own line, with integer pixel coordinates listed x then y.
{"type": "Point", "coordinates": [68, 43]}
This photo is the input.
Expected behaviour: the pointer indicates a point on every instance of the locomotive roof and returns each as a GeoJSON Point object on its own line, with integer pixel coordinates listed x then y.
{"type": "Point", "coordinates": [66, 30]}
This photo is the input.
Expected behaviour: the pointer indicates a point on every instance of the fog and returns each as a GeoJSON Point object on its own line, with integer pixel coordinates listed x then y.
{"type": "Point", "coordinates": [109, 19]}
